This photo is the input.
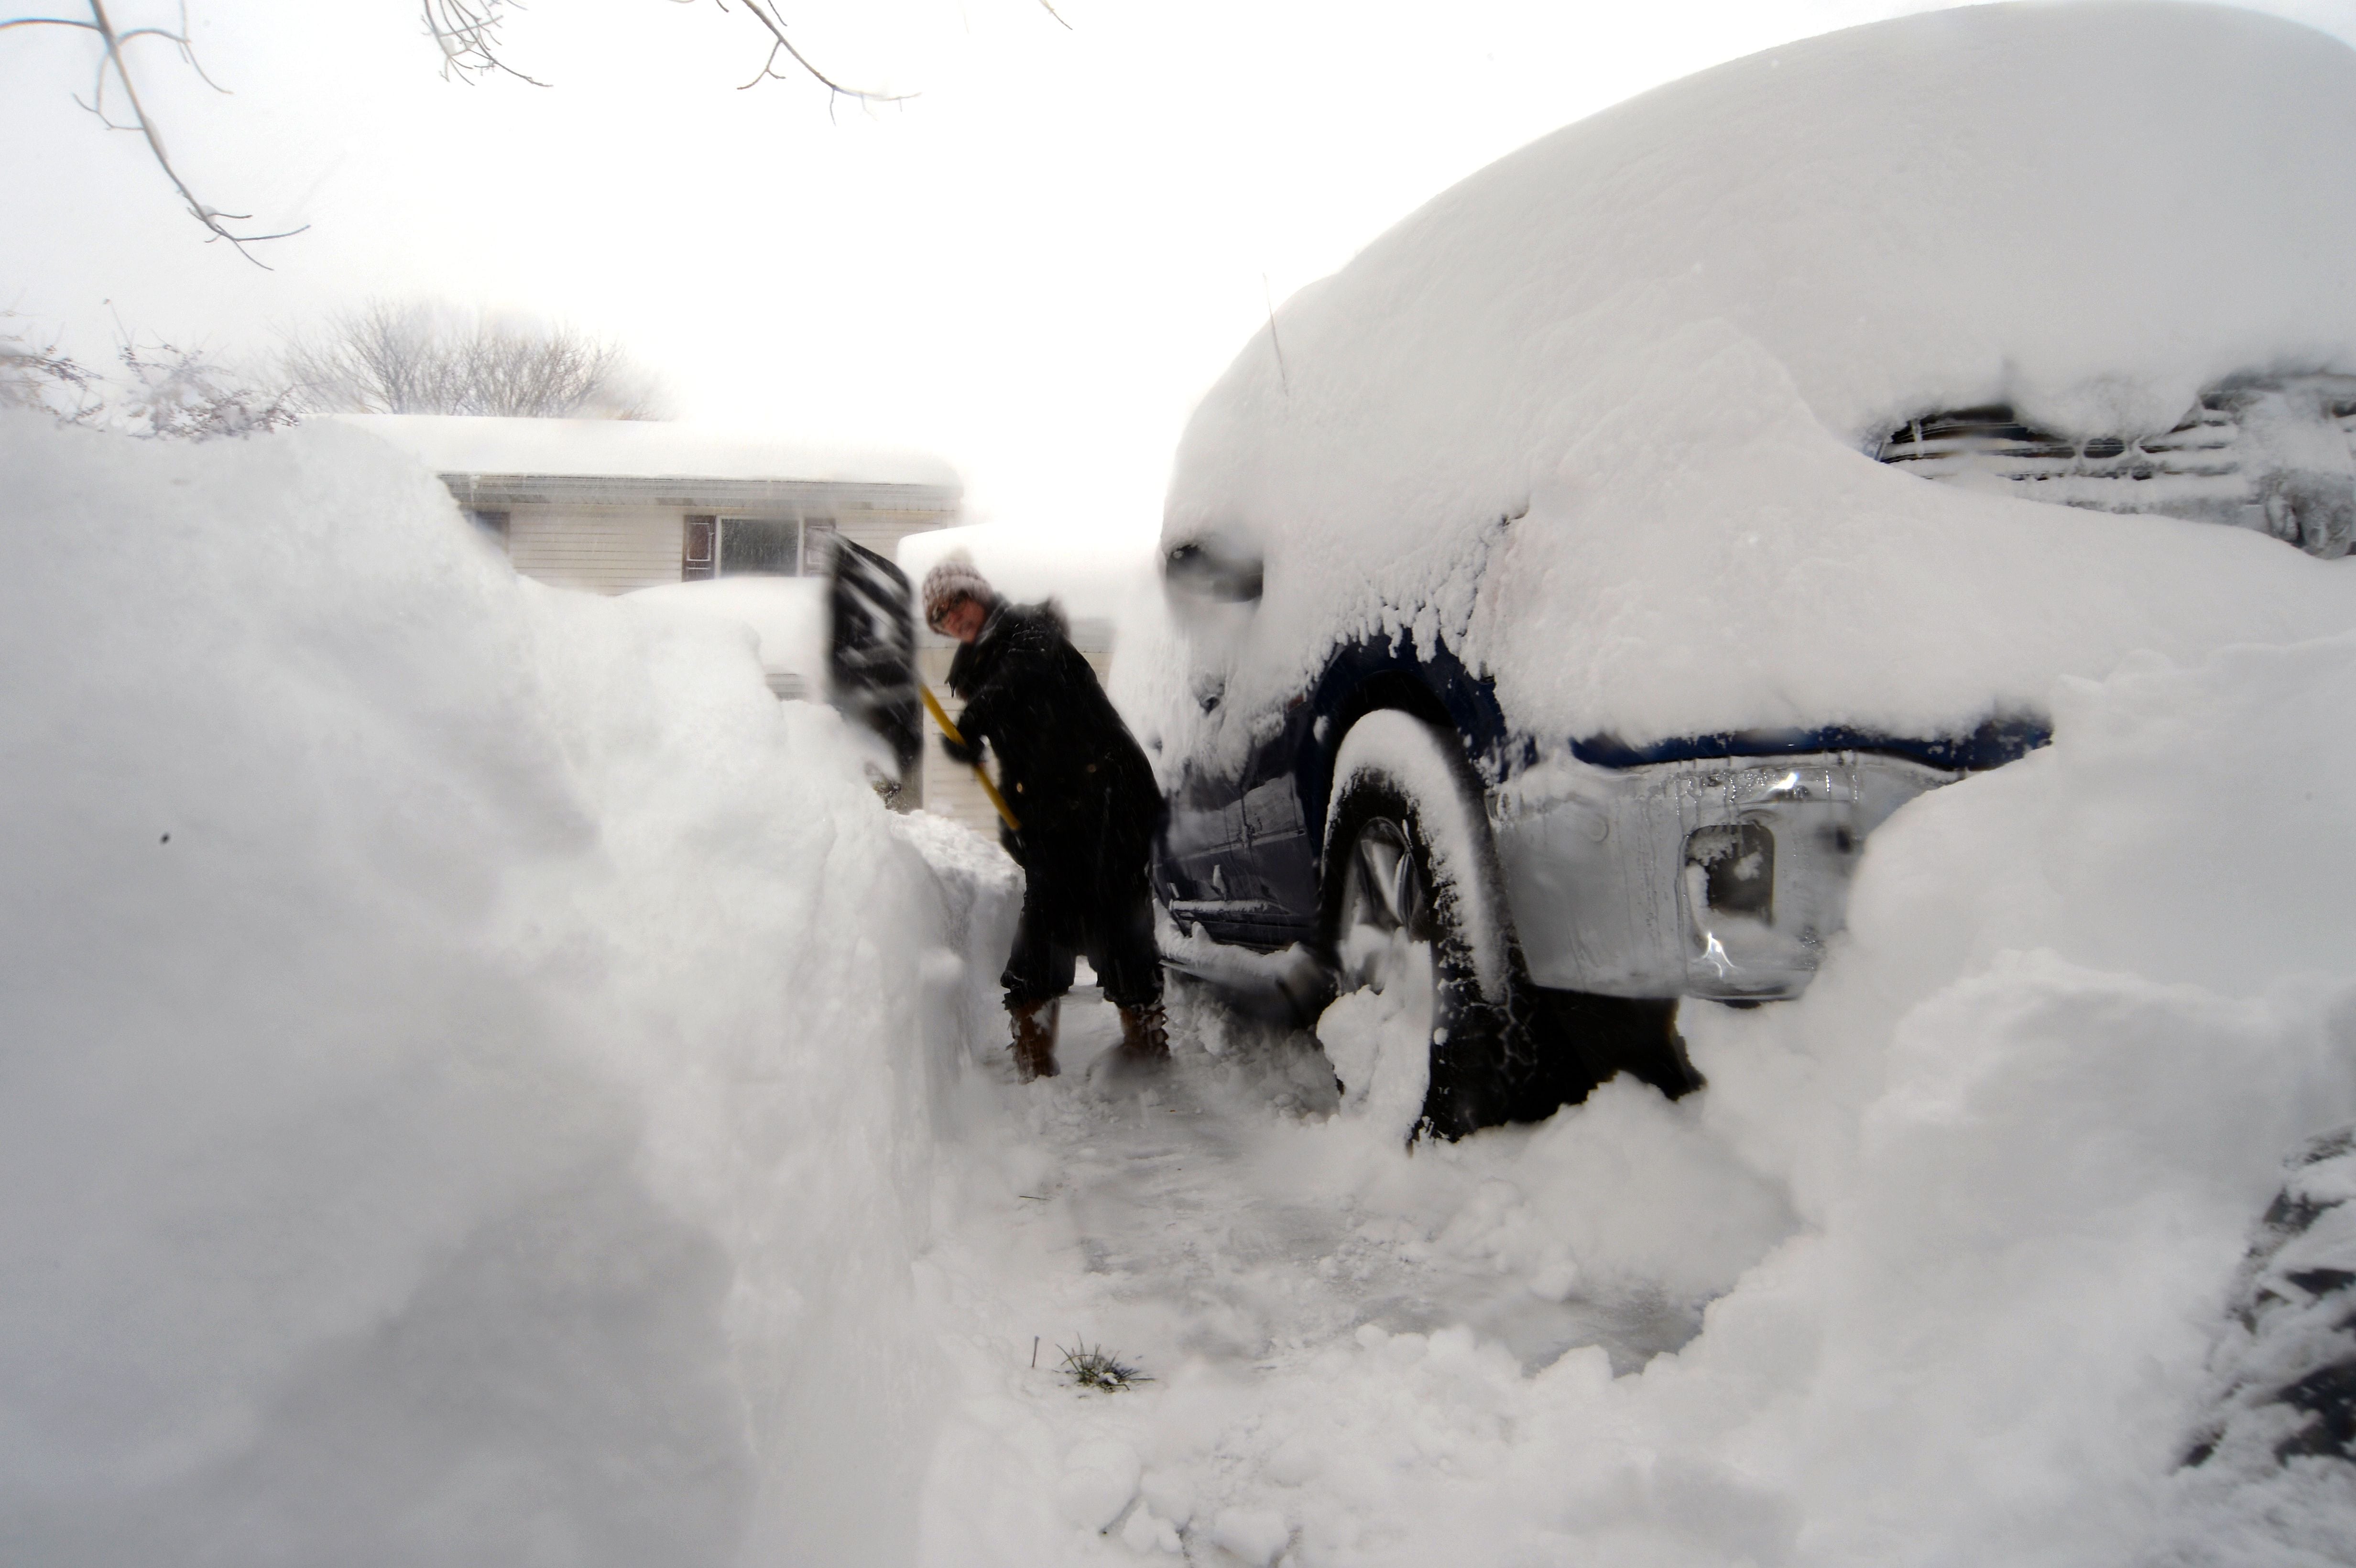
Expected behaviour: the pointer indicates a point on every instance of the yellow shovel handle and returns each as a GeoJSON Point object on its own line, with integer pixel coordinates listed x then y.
{"type": "Point", "coordinates": [932, 706]}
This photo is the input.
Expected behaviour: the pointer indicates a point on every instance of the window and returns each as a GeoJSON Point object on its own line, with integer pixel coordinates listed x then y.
{"type": "Point", "coordinates": [696, 560]}
{"type": "Point", "coordinates": [766, 547]}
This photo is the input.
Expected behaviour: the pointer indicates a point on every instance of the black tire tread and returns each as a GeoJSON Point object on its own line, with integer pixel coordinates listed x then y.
{"type": "Point", "coordinates": [1521, 1056]}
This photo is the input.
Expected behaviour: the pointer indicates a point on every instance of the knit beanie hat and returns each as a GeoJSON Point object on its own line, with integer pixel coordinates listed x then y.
{"type": "Point", "coordinates": [952, 578]}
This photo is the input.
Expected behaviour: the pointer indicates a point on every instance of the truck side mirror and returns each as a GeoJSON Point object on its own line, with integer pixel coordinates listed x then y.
{"type": "Point", "coordinates": [1214, 568]}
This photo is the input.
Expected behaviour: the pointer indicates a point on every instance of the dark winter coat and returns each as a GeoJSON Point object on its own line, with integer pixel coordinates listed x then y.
{"type": "Point", "coordinates": [1069, 768]}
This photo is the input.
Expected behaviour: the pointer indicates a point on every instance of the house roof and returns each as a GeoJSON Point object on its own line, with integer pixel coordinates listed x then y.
{"type": "Point", "coordinates": [680, 455]}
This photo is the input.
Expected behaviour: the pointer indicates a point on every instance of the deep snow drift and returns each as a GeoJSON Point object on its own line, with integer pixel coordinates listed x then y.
{"type": "Point", "coordinates": [470, 1052]}
{"type": "Point", "coordinates": [1959, 1227]}
{"type": "Point", "coordinates": [1596, 417]}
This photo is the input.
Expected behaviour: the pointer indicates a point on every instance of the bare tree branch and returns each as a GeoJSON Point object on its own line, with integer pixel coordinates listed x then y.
{"type": "Point", "coordinates": [113, 64]}
{"type": "Point", "coordinates": [764, 13]}
{"type": "Point", "coordinates": [467, 32]}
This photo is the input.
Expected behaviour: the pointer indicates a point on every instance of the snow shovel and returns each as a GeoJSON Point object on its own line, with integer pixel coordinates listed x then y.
{"type": "Point", "coordinates": [1005, 811]}
{"type": "Point", "coordinates": [871, 661]}
{"type": "Point", "coordinates": [871, 652]}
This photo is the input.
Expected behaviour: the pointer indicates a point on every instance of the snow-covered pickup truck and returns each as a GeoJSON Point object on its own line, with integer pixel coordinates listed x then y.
{"type": "Point", "coordinates": [1566, 590]}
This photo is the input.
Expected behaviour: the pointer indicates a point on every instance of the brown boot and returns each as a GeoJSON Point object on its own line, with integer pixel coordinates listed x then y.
{"type": "Point", "coordinates": [1144, 1036]}
{"type": "Point", "coordinates": [1034, 1038]}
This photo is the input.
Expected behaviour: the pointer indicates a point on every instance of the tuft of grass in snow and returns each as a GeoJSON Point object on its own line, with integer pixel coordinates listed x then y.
{"type": "Point", "coordinates": [1095, 1367]}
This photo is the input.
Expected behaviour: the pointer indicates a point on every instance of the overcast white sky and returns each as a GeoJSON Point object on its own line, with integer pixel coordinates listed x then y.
{"type": "Point", "coordinates": [1033, 266]}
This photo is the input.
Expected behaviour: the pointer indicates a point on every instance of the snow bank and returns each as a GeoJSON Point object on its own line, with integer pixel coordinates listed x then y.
{"type": "Point", "coordinates": [980, 890]}
{"type": "Point", "coordinates": [465, 1100]}
{"type": "Point", "coordinates": [1595, 416]}
{"type": "Point", "coordinates": [787, 615]}
{"type": "Point", "coordinates": [2088, 1005]}
{"type": "Point", "coordinates": [1970, 1212]}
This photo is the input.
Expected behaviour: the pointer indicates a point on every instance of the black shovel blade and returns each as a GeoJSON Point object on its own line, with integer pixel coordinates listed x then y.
{"type": "Point", "coordinates": [871, 650]}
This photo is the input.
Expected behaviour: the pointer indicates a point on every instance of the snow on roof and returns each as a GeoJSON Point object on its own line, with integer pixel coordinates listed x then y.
{"type": "Point", "coordinates": [1596, 417]}
{"type": "Point", "coordinates": [641, 449]}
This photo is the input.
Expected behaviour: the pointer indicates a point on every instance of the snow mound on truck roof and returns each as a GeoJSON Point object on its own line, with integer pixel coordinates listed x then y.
{"type": "Point", "coordinates": [1662, 340]}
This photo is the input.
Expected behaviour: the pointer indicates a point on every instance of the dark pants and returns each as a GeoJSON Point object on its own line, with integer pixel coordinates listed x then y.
{"type": "Point", "coordinates": [1115, 929]}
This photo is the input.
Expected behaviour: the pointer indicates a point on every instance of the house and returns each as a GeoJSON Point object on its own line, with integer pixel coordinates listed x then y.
{"type": "Point", "coordinates": [610, 506]}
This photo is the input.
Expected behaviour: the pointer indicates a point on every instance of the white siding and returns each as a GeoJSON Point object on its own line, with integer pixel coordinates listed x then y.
{"type": "Point", "coordinates": [604, 550]}
{"type": "Point", "coordinates": [613, 550]}
{"type": "Point", "coordinates": [883, 531]}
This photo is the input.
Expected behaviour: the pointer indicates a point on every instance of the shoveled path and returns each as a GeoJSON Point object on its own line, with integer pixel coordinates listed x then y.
{"type": "Point", "coordinates": [1212, 1229]}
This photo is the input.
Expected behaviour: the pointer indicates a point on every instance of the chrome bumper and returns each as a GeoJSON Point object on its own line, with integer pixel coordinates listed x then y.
{"type": "Point", "coordinates": [1721, 878]}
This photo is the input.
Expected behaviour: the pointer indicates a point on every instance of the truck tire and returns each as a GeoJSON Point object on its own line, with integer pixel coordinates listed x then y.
{"type": "Point", "coordinates": [1386, 878]}
{"type": "Point", "coordinates": [2270, 1473]}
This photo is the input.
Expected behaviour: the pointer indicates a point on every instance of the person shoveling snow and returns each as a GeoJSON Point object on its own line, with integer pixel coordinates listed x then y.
{"type": "Point", "coordinates": [1084, 796]}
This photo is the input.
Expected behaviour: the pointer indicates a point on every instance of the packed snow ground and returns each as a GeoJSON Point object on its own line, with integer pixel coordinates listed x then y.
{"type": "Point", "coordinates": [1225, 1233]}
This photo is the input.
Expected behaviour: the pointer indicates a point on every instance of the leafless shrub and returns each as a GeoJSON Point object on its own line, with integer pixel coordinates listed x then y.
{"type": "Point", "coordinates": [184, 394]}
{"type": "Point", "coordinates": [36, 375]}
{"type": "Point", "coordinates": [162, 391]}
{"type": "Point", "coordinates": [419, 359]}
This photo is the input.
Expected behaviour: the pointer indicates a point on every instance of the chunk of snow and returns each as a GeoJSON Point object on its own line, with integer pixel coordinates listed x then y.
{"type": "Point", "coordinates": [1380, 1045]}
{"type": "Point", "coordinates": [1294, 1463]}
{"type": "Point", "coordinates": [1100, 1480]}
{"type": "Point", "coordinates": [1169, 1495]}
{"type": "Point", "coordinates": [1147, 1532]}
{"type": "Point", "coordinates": [1254, 1535]}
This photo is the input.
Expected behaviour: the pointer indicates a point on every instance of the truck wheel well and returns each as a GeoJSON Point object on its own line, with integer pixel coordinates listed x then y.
{"type": "Point", "coordinates": [1387, 688]}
